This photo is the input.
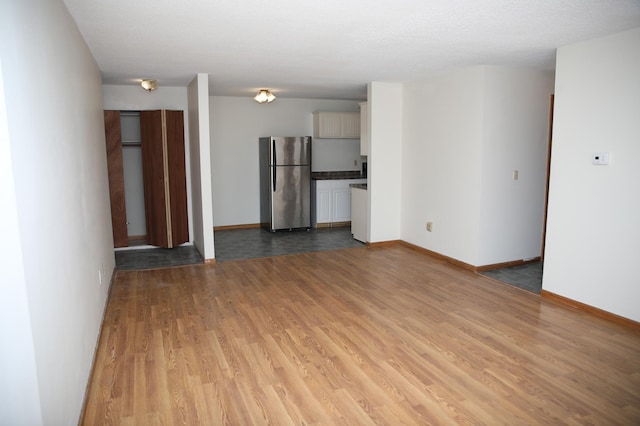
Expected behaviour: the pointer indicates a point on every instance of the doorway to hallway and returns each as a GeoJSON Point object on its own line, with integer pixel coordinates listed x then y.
{"type": "Point", "coordinates": [527, 277]}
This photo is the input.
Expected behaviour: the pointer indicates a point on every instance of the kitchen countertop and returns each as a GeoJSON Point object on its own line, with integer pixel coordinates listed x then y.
{"type": "Point", "coordinates": [359, 186]}
{"type": "Point", "coordinates": [353, 174]}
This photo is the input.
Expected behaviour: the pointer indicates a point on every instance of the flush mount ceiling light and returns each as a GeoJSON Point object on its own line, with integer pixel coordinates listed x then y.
{"type": "Point", "coordinates": [149, 85]}
{"type": "Point", "coordinates": [264, 96]}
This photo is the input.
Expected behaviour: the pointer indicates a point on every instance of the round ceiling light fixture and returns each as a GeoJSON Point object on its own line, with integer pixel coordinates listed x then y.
{"type": "Point", "coordinates": [263, 96]}
{"type": "Point", "coordinates": [149, 85]}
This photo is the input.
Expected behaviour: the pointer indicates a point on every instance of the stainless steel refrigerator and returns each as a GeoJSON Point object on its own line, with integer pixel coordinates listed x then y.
{"type": "Point", "coordinates": [285, 183]}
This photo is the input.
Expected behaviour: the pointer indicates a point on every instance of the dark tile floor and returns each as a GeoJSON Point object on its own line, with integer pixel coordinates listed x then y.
{"type": "Point", "coordinates": [240, 244]}
{"type": "Point", "coordinates": [156, 258]}
{"type": "Point", "coordinates": [528, 277]}
{"type": "Point", "coordinates": [256, 242]}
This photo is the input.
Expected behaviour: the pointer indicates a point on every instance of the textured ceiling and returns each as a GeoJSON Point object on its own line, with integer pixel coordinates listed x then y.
{"type": "Point", "coordinates": [331, 48]}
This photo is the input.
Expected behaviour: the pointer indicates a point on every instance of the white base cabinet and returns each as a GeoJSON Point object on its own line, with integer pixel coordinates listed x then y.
{"type": "Point", "coordinates": [324, 201]}
{"type": "Point", "coordinates": [341, 204]}
{"type": "Point", "coordinates": [333, 201]}
{"type": "Point", "coordinates": [359, 214]}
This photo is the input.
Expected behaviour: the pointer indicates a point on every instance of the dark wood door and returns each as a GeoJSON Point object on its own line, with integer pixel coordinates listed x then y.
{"type": "Point", "coordinates": [116, 178]}
{"type": "Point", "coordinates": [155, 210]}
{"type": "Point", "coordinates": [177, 177]}
{"type": "Point", "coordinates": [165, 193]}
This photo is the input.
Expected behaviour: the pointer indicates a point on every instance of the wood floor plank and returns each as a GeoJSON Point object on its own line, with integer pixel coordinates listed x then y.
{"type": "Point", "coordinates": [371, 335]}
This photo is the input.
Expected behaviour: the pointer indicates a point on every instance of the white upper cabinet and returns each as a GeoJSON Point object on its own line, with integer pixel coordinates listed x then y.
{"type": "Point", "coordinates": [327, 124]}
{"type": "Point", "coordinates": [336, 125]}
{"type": "Point", "coordinates": [351, 125]}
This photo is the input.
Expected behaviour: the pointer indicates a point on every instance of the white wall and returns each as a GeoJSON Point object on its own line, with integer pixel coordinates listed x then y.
{"type": "Point", "coordinates": [53, 99]}
{"type": "Point", "coordinates": [384, 171]}
{"type": "Point", "coordinates": [236, 125]}
{"type": "Point", "coordinates": [18, 386]}
{"type": "Point", "coordinates": [441, 165]}
{"type": "Point", "coordinates": [516, 137]}
{"type": "Point", "coordinates": [200, 160]}
{"type": "Point", "coordinates": [134, 98]}
{"type": "Point", "coordinates": [464, 135]}
{"type": "Point", "coordinates": [593, 228]}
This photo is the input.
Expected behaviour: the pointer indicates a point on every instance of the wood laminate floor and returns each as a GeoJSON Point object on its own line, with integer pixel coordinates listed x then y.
{"type": "Point", "coordinates": [383, 335]}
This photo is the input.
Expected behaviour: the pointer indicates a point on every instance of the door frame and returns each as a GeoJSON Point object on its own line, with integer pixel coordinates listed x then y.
{"type": "Point", "coordinates": [546, 192]}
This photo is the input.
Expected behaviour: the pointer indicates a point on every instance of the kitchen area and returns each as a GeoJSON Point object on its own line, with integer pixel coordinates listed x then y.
{"type": "Point", "coordinates": [338, 179]}
{"type": "Point", "coordinates": [340, 196]}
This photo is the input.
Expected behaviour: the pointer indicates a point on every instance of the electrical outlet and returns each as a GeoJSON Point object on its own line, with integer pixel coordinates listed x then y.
{"type": "Point", "coordinates": [515, 175]}
{"type": "Point", "coordinates": [355, 162]}
{"type": "Point", "coordinates": [429, 226]}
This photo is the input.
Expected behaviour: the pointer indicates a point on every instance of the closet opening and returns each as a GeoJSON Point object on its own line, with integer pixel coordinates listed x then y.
{"type": "Point", "coordinates": [133, 181]}
{"type": "Point", "coordinates": [147, 178]}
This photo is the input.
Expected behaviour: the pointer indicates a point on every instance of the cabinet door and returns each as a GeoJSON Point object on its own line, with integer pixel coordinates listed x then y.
{"type": "Point", "coordinates": [330, 125]}
{"type": "Point", "coordinates": [351, 125]}
{"type": "Point", "coordinates": [115, 169]}
{"type": "Point", "coordinates": [342, 204]}
{"type": "Point", "coordinates": [324, 202]}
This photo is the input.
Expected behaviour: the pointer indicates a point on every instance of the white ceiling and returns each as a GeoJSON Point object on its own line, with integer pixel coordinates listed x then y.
{"type": "Point", "coordinates": [331, 48]}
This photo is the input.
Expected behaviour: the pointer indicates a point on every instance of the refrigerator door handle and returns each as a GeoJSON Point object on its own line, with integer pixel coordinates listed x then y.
{"type": "Point", "coordinates": [275, 163]}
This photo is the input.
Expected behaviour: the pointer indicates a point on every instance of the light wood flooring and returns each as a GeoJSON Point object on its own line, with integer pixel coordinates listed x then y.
{"type": "Point", "coordinates": [370, 335]}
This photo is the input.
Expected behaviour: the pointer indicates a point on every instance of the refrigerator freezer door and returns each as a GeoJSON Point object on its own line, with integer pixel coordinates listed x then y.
{"type": "Point", "coordinates": [290, 151]}
{"type": "Point", "coordinates": [291, 197]}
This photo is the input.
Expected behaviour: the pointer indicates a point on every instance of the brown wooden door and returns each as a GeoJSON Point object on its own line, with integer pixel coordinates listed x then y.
{"type": "Point", "coordinates": [153, 177]}
{"type": "Point", "coordinates": [177, 177]}
{"type": "Point", "coordinates": [163, 169]}
{"type": "Point", "coordinates": [116, 178]}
